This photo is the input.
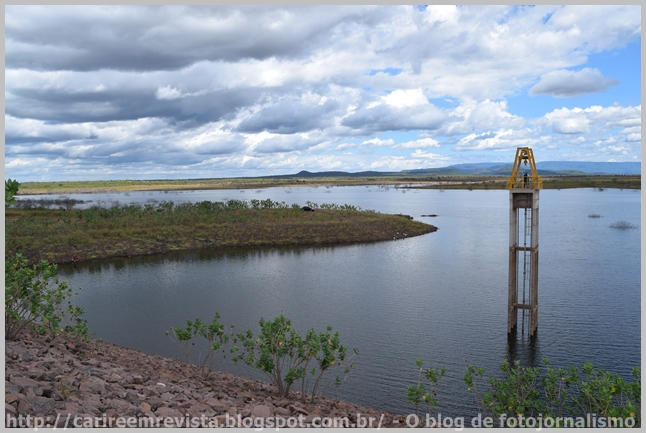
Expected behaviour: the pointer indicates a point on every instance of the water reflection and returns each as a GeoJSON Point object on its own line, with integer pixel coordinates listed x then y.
{"type": "Point", "coordinates": [441, 296]}
{"type": "Point", "coordinates": [524, 349]}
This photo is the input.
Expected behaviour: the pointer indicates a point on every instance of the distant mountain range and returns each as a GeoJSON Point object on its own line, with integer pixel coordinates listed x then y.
{"type": "Point", "coordinates": [545, 168]}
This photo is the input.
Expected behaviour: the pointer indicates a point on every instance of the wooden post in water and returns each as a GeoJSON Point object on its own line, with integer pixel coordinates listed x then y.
{"type": "Point", "coordinates": [523, 245]}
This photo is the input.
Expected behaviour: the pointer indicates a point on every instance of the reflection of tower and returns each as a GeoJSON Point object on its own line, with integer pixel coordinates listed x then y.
{"type": "Point", "coordinates": [523, 244]}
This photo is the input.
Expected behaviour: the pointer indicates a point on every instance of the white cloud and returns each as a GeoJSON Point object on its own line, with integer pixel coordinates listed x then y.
{"type": "Point", "coordinates": [579, 120]}
{"type": "Point", "coordinates": [441, 13]}
{"type": "Point", "coordinates": [498, 140]}
{"type": "Point", "coordinates": [173, 89]}
{"type": "Point", "coordinates": [167, 93]}
{"type": "Point", "coordinates": [377, 142]}
{"type": "Point", "coordinates": [487, 115]}
{"type": "Point", "coordinates": [422, 143]}
{"type": "Point", "coordinates": [634, 137]}
{"type": "Point", "coordinates": [428, 155]}
{"type": "Point", "coordinates": [405, 98]}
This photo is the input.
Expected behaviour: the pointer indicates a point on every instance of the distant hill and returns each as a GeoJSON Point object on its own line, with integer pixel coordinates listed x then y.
{"type": "Point", "coordinates": [545, 168]}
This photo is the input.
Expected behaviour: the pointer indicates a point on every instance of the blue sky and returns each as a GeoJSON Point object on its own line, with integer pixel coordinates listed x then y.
{"type": "Point", "coordinates": [137, 92]}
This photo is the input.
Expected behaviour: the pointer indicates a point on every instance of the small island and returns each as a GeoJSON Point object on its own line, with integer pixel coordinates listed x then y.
{"type": "Point", "coordinates": [58, 236]}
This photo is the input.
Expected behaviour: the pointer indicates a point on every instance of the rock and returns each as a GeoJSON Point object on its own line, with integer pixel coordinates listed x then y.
{"type": "Point", "coordinates": [9, 409]}
{"type": "Point", "coordinates": [282, 411]}
{"type": "Point", "coordinates": [179, 398]}
{"type": "Point", "coordinates": [167, 396]}
{"type": "Point", "coordinates": [71, 408]}
{"type": "Point", "coordinates": [138, 379]}
{"type": "Point", "coordinates": [149, 391]}
{"type": "Point", "coordinates": [91, 409]}
{"type": "Point", "coordinates": [12, 397]}
{"type": "Point", "coordinates": [132, 398]}
{"type": "Point", "coordinates": [42, 404]}
{"type": "Point", "coordinates": [23, 382]}
{"type": "Point", "coordinates": [119, 405]}
{"type": "Point", "coordinates": [167, 412]}
{"type": "Point", "coordinates": [215, 404]}
{"type": "Point", "coordinates": [261, 411]}
{"type": "Point", "coordinates": [79, 379]}
{"type": "Point", "coordinates": [297, 409]}
{"type": "Point", "coordinates": [93, 385]}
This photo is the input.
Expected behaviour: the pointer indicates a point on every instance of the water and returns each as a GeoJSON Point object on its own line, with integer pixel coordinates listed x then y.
{"type": "Point", "coordinates": [441, 296]}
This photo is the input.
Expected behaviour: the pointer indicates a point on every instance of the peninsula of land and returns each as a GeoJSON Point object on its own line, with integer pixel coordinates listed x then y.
{"type": "Point", "coordinates": [63, 236]}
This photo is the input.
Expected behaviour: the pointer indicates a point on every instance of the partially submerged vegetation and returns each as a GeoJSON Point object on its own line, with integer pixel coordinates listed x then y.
{"type": "Point", "coordinates": [57, 235]}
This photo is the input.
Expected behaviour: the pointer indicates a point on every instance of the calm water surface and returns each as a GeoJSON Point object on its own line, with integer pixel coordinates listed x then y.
{"type": "Point", "coordinates": [441, 296]}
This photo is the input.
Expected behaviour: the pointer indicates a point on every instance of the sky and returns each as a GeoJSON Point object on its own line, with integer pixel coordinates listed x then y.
{"type": "Point", "coordinates": [169, 92]}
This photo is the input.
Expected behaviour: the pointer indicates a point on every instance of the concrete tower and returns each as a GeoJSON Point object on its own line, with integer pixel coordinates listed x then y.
{"type": "Point", "coordinates": [523, 243]}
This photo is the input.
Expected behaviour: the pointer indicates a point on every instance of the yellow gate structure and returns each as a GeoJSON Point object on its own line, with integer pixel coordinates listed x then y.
{"type": "Point", "coordinates": [523, 243]}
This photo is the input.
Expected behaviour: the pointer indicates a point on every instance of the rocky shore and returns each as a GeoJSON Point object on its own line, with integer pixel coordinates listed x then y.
{"type": "Point", "coordinates": [61, 382]}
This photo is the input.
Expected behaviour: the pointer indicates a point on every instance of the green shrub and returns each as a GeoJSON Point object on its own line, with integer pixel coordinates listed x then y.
{"type": "Point", "coordinates": [10, 190]}
{"type": "Point", "coordinates": [31, 300]}
{"type": "Point", "coordinates": [417, 393]}
{"type": "Point", "coordinates": [215, 335]}
{"type": "Point", "coordinates": [555, 393]}
{"type": "Point", "coordinates": [287, 358]}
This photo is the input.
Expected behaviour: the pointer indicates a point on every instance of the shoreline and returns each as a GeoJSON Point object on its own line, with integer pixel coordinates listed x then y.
{"type": "Point", "coordinates": [58, 236]}
{"type": "Point", "coordinates": [59, 379]}
{"type": "Point", "coordinates": [632, 181]}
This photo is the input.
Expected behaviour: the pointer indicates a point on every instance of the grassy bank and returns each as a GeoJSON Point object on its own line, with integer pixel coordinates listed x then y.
{"type": "Point", "coordinates": [440, 182]}
{"type": "Point", "coordinates": [560, 182]}
{"type": "Point", "coordinates": [56, 235]}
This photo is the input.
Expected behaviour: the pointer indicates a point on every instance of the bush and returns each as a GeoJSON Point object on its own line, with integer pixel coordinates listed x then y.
{"type": "Point", "coordinates": [214, 334]}
{"type": "Point", "coordinates": [555, 393]}
{"type": "Point", "coordinates": [623, 225]}
{"type": "Point", "coordinates": [10, 190]}
{"type": "Point", "coordinates": [32, 301]}
{"type": "Point", "coordinates": [417, 393]}
{"type": "Point", "coordinates": [287, 358]}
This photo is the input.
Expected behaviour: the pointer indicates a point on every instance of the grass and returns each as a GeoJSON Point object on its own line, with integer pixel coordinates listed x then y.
{"type": "Point", "coordinates": [437, 182]}
{"type": "Point", "coordinates": [56, 235]}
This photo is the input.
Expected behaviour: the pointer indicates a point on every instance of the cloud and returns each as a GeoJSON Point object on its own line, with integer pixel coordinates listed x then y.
{"type": "Point", "coordinates": [405, 98]}
{"type": "Point", "coordinates": [472, 115]}
{"type": "Point", "coordinates": [148, 38]}
{"type": "Point", "coordinates": [280, 143]}
{"type": "Point", "coordinates": [496, 140]}
{"type": "Point", "coordinates": [422, 143]}
{"type": "Point", "coordinates": [579, 120]}
{"type": "Point", "coordinates": [568, 84]}
{"type": "Point", "coordinates": [288, 117]}
{"type": "Point", "coordinates": [428, 155]}
{"type": "Point", "coordinates": [167, 93]}
{"type": "Point", "coordinates": [387, 118]}
{"type": "Point", "coordinates": [377, 142]}
{"type": "Point", "coordinates": [117, 90]}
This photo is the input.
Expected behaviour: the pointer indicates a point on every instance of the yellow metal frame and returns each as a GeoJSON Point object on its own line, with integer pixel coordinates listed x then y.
{"type": "Point", "coordinates": [516, 181]}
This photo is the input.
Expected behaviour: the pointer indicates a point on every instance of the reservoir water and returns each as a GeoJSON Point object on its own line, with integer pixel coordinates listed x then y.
{"type": "Point", "coordinates": [441, 296]}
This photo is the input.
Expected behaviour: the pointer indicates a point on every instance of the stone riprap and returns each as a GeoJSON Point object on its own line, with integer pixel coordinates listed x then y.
{"type": "Point", "coordinates": [58, 381]}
